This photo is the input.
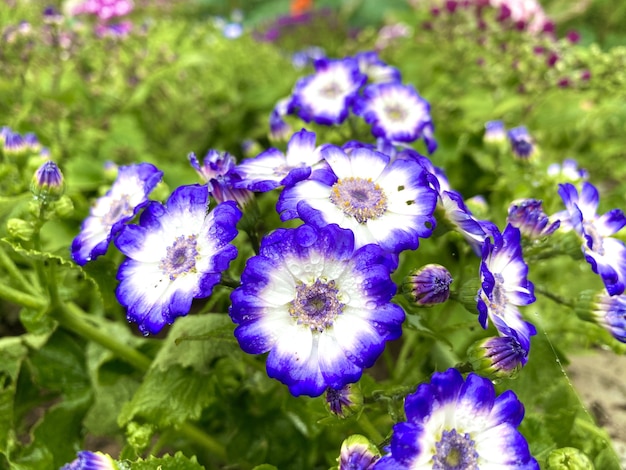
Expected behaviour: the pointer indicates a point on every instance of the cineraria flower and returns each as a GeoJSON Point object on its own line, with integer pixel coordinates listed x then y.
{"type": "Point", "coordinates": [457, 214]}
{"type": "Point", "coordinates": [568, 170]}
{"type": "Point", "coordinates": [114, 30]}
{"type": "Point", "coordinates": [307, 56]}
{"type": "Point", "coordinates": [428, 285]}
{"type": "Point", "coordinates": [376, 70]}
{"type": "Point", "coordinates": [396, 113]}
{"type": "Point", "coordinates": [127, 195]}
{"type": "Point", "coordinates": [214, 164]}
{"type": "Point", "coordinates": [459, 424]}
{"type": "Point", "coordinates": [87, 460]}
{"type": "Point", "coordinates": [279, 129]}
{"type": "Point", "coordinates": [504, 286]}
{"type": "Point", "coordinates": [320, 308]}
{"type": "Point", "coordinates": [176, 254]}
{"type": "Point", "coordinates": [522, 144]}
{"type": "Point", "coordinates": [382, 202]}
{"type": "Point", "coordinates": [606, 255]}
{"type": "Point", "coordinates": [528, 216]}
{"type": "Point", "coordinates": [272, 168]}
{"type": "Point", "coordinates": [604, 310]}
{"type": "Point", "coordinates": [495, 132]}
{"type": "Point", "coordinates": [326, 96]}
{"type": "Point", "coordinates": [357, 453]}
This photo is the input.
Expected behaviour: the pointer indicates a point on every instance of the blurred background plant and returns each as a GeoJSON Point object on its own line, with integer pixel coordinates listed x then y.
{"type": "Point", "coordinates": [170, 77]}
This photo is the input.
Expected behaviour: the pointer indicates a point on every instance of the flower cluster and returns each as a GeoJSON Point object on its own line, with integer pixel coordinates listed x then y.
{"type": "Point", "coordinates": [367, 87]}
{"type": "Point", "coordinates": [104, 11]}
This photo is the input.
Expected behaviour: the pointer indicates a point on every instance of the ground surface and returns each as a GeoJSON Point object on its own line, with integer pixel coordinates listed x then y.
{"type": "Point", "coordinates": [600, 379]}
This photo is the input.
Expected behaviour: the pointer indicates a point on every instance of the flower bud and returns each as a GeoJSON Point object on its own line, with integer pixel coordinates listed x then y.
{"type": "Point", "coordinates": [64, 207]}
{"type": "Point", "coordinates": [497, 357]}
{"type": "Point", "coordinates": [357, 452]}
{"type": "Point", "coordinates": [47, 184]}
{"type": "Point", "coordinates": [569, 458]}
{"type": "Point", "coordinates": [428, 285]}
{"type": "Point", "coordinates": [18, 228]}
{"type": "Point", "coordinates": [467, 295]}
{"type": "Point", "coordinates": [522, 144]}
{"type": "Point", "coordinates": [344, 402]}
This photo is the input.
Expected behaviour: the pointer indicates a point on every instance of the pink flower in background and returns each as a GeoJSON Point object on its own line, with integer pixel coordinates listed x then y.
{"type": "Point", "coordinates": [104, 9]}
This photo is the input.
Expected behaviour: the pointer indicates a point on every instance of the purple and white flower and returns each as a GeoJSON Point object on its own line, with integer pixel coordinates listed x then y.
{"type": "Point", "coordinates": [272, 168]}
{"type": "Point", "coordinates": [397, 113]}
{"type": "Point", "coordinates": [320, 307]}
{"type": "Point", "coordinates": [528, 216]}
{"type": "Point", "coordinates": [87, 460]}
{"type": "Point", "coordinates": [326, 96]}
{"type": "Point", "coordinates": [522, 144]}
{"type": "Point", "coordinates": [382, 202]}
{"type": "Point", "coordinates": [376, 70]}
{"type": "Point", "coordinates": [176, 254]}
{"type": "Point", "coordinates": [505, 286]}
{"type": "Point", "coordinates": [459, 424]}
{"type": "Point", "coordinates": [606, 255]}
{"type": "Point", "coordinates": [604, 310]}
{"type": "Point", "coordinates": [106, 218]}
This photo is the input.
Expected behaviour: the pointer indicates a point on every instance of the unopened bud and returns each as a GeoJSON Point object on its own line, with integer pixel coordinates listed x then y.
{"type": "Point", "coordinates": [428, 285]}
{"type": "Point", "coordinates": [18, 228]}
{"type": "Point", "coordinates": [569, 458]}
{"type": "Point", "coordinates": [344, 402]}
{"type": "Point", "coordinates": [47, 184]}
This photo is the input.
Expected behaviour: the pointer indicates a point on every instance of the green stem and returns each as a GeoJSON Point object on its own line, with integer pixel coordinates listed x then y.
{"type": "Point", "coordinates": [20, 298]}
{"type": "Point", "coordinates": [73, 318]}
{"type": "Point", "coordinates": [407, 347]}
{"type": "Point", "coordinates": [227, 281]}
{"type": "Point", "coordinates": [15, 273]}
{"type": "Point", "coordinates": [555, 298]}
{"type": "Point", "coordinates": [443, 356]}
{"type": "Point", "coordinates": [192, 432]}
{"type": "Point", "coordinates": [369, 429]}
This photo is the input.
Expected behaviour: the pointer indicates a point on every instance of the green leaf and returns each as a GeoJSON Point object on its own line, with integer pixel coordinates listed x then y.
{"type": "Point", "coordinates": [196, 341]}
{"type": "Point", "coordinates": [167, 398]}
{"type": "Point", "coordinates": [168, 462]}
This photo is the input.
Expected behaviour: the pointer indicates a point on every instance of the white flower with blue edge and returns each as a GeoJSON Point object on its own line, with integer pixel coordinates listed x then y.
{"type": "Point", "coordinates": [389, 203]}
{"type": "Point", "coordinates": [176, 254]}
{"type": "Point", "coordinates": [108, 215]}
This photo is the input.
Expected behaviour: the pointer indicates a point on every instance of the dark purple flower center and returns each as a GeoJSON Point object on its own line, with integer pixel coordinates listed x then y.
{"type": "Point", "coordinates": [316, 305]}
{"type": "Point", "coordinates": [455, 451]}
{"type": "Point", "coordinates": [359, 197]}
{"type": "Point", "coordinates": [180, 257]}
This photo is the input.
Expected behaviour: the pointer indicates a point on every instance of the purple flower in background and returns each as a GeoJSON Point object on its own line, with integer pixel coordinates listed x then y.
{"type": "Point", "coordinates": [606, 255]}
{"type": "Point", "coordinates": [505, 286]}
{"type": "Point", "coordinates": [213, 165]}
{"type": "Point", "coordinates": [568, 170]}
{"type": "Point", "coordinates": [522, 144]}
{"type": "Point", "coordinates": [272, 168]}
{"type": "Point", "coordinates": [279, 129]}
{"type": "Point", "coordinates": [495, 132]}
{"type": "Point", "coordinates": [452, 423]}
{"type": "Point", "coordinates": [326, 96]}
{"type": "Point", "coordinates": [176, 254]}
{"type": "Point", "coordinates": [397, 113]}
{"type": "Point", "coordinates": [498, 356]}
{"type": "Point", "coordinates": [376, 70]}
{"type": "Point", "coordinates": [109, 213]}
{"type": "Point", "coordinates": [320, 308]}
{"type": "Point", "coordinates": [386, 202]}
